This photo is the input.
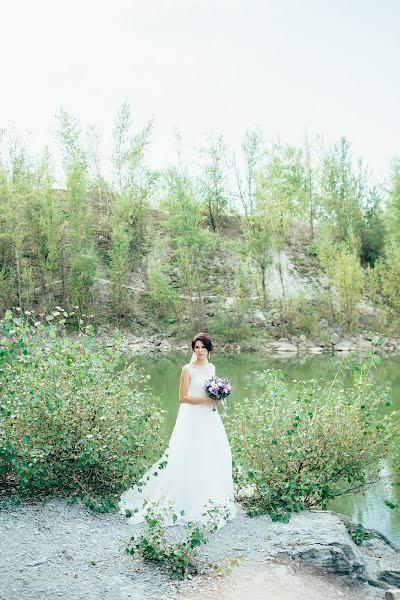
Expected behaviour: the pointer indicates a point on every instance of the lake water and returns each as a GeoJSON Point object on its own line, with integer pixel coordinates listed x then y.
{"type": "Point", "coordinates": [367, 508]}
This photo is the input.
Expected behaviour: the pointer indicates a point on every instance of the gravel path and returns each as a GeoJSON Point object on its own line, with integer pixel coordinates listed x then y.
{"type": "Point", "coordinates": [53, 550]}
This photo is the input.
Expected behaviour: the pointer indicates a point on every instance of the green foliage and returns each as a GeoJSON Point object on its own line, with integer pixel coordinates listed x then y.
{"type": "Point", "coordinates": [310, 199]}
{"type": "Point", "coordinates": [345, 275]}
{"type": "Point", "coordinates": [281, 185]}
{"type": "Point", "coordinates": [390, 276]}
{"type": "Point", "coordinates": [79, 246]}
{"type": "Point", "coordinates": [78, 253]}
{"type": "Point", "coordinates": [393, 212]}
{"type": "Point", "coordinates": [75, 417]}
{"type": "Point", "coordinates": [341, 191]}
{"type": "Point", "coordinates": [176, 557]}
{"type": "Point", "coordinates": [129, 208]}
{"type": "Point", "coordinates": [213, 180]}
{"type": "Point", "coordinates": [164, 299]}
{"type": "Point", "coordinates": [298, 446]}
{"type": "Point", "coordinates": [246, 177]}
{"type": "Point", "coordinates": [230, 318]}
{"type": "Point", "coordinates": [256, 245]}
{"type": "Point", "coordinates": [16, 184]}
{"type": "Point", "coordinates": [373, 232]}
{"type": "Point", "coordinates": [390, 505]}
{"type": "Point", "coordinates": [297, 314]}
{"type": "Point", "coordinates": [191, 244]}
{"type": "Point", "coordinates": [359, 534]}
{"type": "Point", "coordinates": [348, 277]}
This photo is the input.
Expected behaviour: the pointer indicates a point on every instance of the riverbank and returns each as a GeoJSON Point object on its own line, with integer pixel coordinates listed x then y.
{"type": "Point", "coordinates": [289, 345]}
{"type": "Point", "coordinates": [54, 549]}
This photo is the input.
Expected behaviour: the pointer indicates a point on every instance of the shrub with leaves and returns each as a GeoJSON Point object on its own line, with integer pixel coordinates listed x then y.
{"type": "Point", "coordinates": [359, 534]}
{"type": "Point", "coordinates": [74, 416]}
{"type": "Point", "coordinates": [299, 446]}
{"type": "Point", "coordinates": [175, 556]}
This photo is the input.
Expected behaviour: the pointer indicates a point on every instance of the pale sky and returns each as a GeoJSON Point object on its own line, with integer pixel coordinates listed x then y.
{"type": "Point", "coordinates": [328, 66]}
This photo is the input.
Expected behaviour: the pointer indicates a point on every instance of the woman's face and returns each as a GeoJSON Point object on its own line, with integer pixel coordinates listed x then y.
{"type": "Point", "coordinates": [200, 349]}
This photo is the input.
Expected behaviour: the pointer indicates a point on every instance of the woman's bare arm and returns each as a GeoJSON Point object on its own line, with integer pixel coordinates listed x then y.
{"type": "Point", "coordinates": [183, 391]}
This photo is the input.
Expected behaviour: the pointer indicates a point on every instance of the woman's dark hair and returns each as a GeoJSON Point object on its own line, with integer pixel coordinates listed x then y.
{"type": "Point", "coordinates": [205, 338]}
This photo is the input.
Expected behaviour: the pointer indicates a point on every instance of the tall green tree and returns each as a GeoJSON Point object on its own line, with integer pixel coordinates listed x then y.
{"type": "Point", "coordinates": [213, 179]}
{"type": "Point", "coordinates": [99, 188]}
{"type": "Point", "coordinates": [133, 185]}
{"type": "Point", "coordinates": [256, 245]}
{"type": "Point", "coordinates": [342, 191]}
{"type": "Point", "coordinates": [191, 243]}
{"type": "Point", "coordinates": [16, 184]}
{"type": "Point", "coordinates": [393, 209]}
{"type": "Point", "coordinates": [281, 185]}
{"type": "Point", "coordinates": [345, 275]}
{"type": "Point", "coordinates": [79, 253]}
{"type": "Point", "coordinates": [389, 275]}
{"type": "Point", "coordinates": [309, 190]}
{"type": "Point", "coordinates": [246, 169]}
{"type": "Point", "coordinates": [374, 229]}
{"type": "Point", "coordinates": [348, 277]}
{"type": "Point", "coordinates": [164, 298]}
{"type": "Point", "coordinates": [44, 216]}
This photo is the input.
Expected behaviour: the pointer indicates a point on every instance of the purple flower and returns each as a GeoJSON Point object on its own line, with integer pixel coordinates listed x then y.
{"type": "Point", "coordinates": [218, 388]}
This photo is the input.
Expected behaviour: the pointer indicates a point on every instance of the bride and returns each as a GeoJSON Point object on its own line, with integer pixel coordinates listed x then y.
{"type": "Point", "coordinates": [196, 468]}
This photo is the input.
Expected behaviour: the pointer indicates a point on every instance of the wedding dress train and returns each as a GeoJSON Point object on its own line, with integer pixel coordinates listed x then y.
{"type": "Point", "coordinates": [196, 468]}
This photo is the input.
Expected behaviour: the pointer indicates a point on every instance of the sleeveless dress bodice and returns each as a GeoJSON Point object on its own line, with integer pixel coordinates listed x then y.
{"type": "Point", "coordinates": [196, 388]}
{"type": "Point", "coordinates": [197, 379]}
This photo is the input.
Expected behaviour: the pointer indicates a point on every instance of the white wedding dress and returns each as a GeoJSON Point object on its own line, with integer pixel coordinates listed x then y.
{"type": "Point", "coordinates": [196, 468]}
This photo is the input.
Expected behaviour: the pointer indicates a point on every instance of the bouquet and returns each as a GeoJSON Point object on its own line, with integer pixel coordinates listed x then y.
{"type": "Point", "coordinates": [218, 388]}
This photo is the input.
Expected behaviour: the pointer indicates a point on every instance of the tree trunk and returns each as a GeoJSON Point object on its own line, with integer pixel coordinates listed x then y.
{"type": "Point", "coordinates": [19, 286]}
{"type": "Point", "coordinates": [63, 266]}
{"type": "Point", "coordinates": [264, 291]}
{"type": "Point", "coordinates": [280, 271]}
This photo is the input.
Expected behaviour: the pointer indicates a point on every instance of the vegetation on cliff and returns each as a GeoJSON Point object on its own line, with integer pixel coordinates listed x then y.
{"type": "Point", "coordinates": [183, 249]}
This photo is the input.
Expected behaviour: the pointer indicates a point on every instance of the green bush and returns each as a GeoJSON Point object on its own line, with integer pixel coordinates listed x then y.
{"type": "Point", "coordinates": [175, 556]}
{"type": "Point", "coordinates": [74, 417]}
{"type": "Point", "coordinates": [226, 325]}
{"type": "Point", "coordinates": [296, 447]}
{"type": "Point", "coordinates": [359, 534]}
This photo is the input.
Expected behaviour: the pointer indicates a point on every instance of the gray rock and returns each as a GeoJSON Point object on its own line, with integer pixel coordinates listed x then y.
{"type": "Point", "coordinates": [335, 338]}
{"type": "Point", "coordinates": [229, 303]}
{"type": "Point", "coordinates": [345, 347]}
{"type": "Point", "coordinates": [321, 540]}
{"type": "Point", "coordinates": [285, 348]}
{"type": "Point", "coordinates": [391, 577]}
{"type": "Point", "coordinates": [302, 338]}
{"type": "Point", "coordinates": [256, 317]}
{"type": "Point", "coordinates": [392, 595]}
{"type": "Point", "coordinates": [316, 350]}
{"type": "Point", "coordinates": [381, 558]}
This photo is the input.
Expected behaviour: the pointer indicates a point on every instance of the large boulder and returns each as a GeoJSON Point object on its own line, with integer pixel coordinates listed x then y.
{"type": "Point", "coordinates": [382, 561]}
{"type": "Point", "coordinates": [256, 317]}
{"type": "Point", "coordinates": [335, 338]}
{"type": "Point", "coordinates": [316, 350]}
{"type": "Point", "coordinates": [320, 540]}
{"type": "Point", "coordinates": [283, 346]}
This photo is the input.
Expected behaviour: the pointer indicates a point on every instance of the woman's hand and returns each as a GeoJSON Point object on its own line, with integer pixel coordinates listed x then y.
{"type": "Point", "coordinates": [210, 401]}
